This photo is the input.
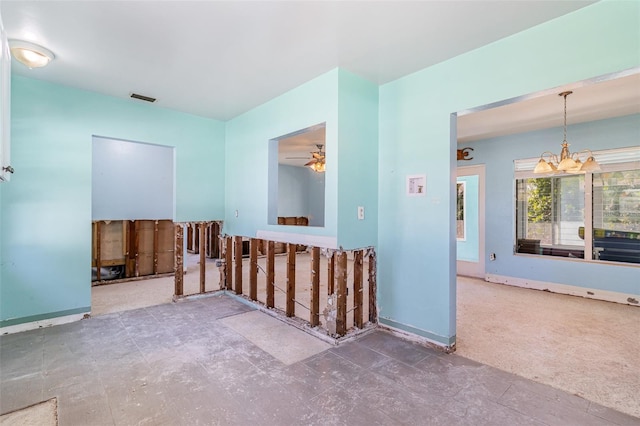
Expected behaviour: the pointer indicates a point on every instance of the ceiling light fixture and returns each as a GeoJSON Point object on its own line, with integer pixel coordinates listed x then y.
{"type": "Point", "coordinates": [567, 162]}
{"type": "Point", "coordinates": [318, 167]}
{"type": "Point", "coordinates": [317, 162]}
{"type": "Point", "coordinates": [30, 54]}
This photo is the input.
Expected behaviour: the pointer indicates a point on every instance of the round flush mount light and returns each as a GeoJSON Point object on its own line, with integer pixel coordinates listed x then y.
{"type": "Point", "coordinates": [30, 54]}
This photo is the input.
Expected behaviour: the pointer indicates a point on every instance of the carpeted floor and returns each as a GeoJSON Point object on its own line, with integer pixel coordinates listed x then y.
{"type": "Point", "coordinates": [585, 347]}
{"type": "Point", "coordinates": [42, 414]}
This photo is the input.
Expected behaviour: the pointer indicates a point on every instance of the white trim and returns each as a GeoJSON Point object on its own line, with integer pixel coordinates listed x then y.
{"type": "Point", "coordinates": [34, 325]}
{"type": "Point", "coordinates": [466, 268]}
{"type": "Point", "coordinates": [588, 213]}
{"type": "Point", "coordinates": [589, 293]}
{"type": "Point", "coordinates": [464, 210]}
{"type": "Point", "coordinates": [304, 239]}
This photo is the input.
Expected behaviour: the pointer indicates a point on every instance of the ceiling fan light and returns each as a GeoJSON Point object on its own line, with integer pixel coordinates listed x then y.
{"type": "Point", "coordinates": [318, 166]}
{"type": "Point", "coordinates": [30, 54]}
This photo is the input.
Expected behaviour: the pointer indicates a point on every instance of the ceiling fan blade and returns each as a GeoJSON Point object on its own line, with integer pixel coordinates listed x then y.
{"type": "Point", "coordinates": [296, 158]}
{"type": "Point", "coordinates": [317, 155]}
{"type": "Point", "coordinates": [314, 161]}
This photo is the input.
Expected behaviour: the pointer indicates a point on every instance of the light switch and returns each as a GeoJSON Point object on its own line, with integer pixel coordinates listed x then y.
{"type": "Point", "coordinates": [360, 213]}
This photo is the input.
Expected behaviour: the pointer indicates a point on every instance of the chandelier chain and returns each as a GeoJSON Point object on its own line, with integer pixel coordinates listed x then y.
{"type": "Point", "coordinates": [565, 116]}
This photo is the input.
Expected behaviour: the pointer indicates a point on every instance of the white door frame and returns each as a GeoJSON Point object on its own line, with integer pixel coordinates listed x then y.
{"type": "Point", "coordinates": [475, 269]}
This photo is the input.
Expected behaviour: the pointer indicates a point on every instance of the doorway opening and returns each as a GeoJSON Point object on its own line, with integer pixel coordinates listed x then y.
{"type": "Point", "coordinates": [132, 211]}
{"type": "Point", "coordinates": [519, 329]}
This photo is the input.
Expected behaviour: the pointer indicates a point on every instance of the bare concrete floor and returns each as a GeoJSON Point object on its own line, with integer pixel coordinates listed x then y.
{"type": "Point", "coordinates": [179, 364]}
{"type": "Point", "coordinates": [585, 347]}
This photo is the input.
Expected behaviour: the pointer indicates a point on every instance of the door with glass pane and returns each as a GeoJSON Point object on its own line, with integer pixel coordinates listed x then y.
{"type": "Point", "coordinates": [470, 221]}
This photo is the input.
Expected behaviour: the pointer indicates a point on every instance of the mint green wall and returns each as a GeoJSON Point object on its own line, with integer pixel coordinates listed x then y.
{"type": "Point", "coordinates": [46, 208]}
{"type": "Point", "coordinates": [349, 106]}
{"type": "Point", "coordinates": [358, 157]}
{"type": "Point", "coordinates": [247, 152]}
{"type": "Point", "coordinates": [416, 267]}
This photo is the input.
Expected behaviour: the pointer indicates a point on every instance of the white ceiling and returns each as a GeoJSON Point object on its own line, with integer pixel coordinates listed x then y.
{"type": "Point", "coordinates": [219, 59]}
{"type": "Point", "coordinates": [296, 150]}
{"type": "Point", "coordinates": [590, 100]}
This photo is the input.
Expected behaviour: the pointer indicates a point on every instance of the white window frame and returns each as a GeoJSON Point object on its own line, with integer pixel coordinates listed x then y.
{"type": "Point", "coordinates": [610, 160]}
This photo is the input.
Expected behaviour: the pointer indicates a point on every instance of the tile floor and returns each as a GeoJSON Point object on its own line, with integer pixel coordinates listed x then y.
{"type": "Point", "coordinates": [178, 364]}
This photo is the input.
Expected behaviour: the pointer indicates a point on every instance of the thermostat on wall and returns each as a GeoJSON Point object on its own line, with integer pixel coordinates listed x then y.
{"type": "Point", "coordinates": [416, 185]}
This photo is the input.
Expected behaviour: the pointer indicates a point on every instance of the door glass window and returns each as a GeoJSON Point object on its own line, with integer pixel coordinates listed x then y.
{"type": "Point", "coordinates": [460, 222]}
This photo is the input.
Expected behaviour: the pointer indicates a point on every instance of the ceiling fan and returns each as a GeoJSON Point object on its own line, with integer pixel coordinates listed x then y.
{"type": "Point", "coordinates": [317, 162]}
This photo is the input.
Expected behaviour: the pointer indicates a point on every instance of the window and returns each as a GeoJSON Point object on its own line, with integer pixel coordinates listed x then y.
{"type": "Point", "coordinates": [555, 216]}
{"type": "Point", "coordinates": [550, 214]}
{"type": "Point", "coordinates": [616, 216]}
{"type": "Point", "coordinates": [460, 223]}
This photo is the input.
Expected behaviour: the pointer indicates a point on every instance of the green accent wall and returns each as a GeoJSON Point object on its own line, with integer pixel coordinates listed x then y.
{"type": "Point", "coordinates": [247, 154]}
{"type": "Point", "coordinates": [358, 161]}
{"type": "Point", "coordinates": [416, 236]}
{"type": "Point", "coordinates": [348, 105]}
{"type": "Point", "coordinates": [45, 211]}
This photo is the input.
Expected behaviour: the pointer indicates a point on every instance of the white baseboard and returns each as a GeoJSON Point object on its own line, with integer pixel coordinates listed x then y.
{"type": "Point", "coordinates": [590, 293]}
{"type": "Point", "coordinates": [33, 325]}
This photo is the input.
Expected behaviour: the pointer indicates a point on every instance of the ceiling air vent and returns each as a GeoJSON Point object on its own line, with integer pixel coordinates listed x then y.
{"type": "Point", "coordinates": [142, 97]}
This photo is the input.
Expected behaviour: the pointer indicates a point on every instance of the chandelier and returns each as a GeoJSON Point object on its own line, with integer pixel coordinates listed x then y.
{"type": "Point", "coordinates": [566, 162]}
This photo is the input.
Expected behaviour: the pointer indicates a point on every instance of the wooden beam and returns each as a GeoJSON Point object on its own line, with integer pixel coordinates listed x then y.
{"type": "Point", "coordinates": [357, 289]}
{"type": "Point", "coordinates": [341, 320]}
{"type": "Point", "coordinates": [221, 246]}
{"type": "Point", "coordinates": [155, 248]}
{"type": "Point", "coordinates": [136, 248]}
{"type": "Point", "coordinates": [179, 256]}
{"type": "Point", "coordinates": [253, 269]}
{"type": "Point", "coordinates": [314, 318]}
{"type": "Point", "coordinates": [228, 262]}
{"type": "Point", "coordinates": [291, 280]}
{"type": "Point", "coordinates": [189, 238]}
{"type": "Point", "coordinates": [196, 238]}
{"type": "Point", "coordinates": [98, 254]}
{"type": "Point", "coordinates": [238, 258]}
{"type": "Point", "coordinates": [129, 261]}
{"type": "Point", "coordinates": [214, 240]}
{"type": "Point", "coordinates": [373, 288]}
{"type": "Point", "coordinates": [203, 259]}
{"type": "Point", "coordinates": [331, 274]}
{"type": "Point", "coordinates": [207, 238]}
{"type": "Point", "coordinates": [271, 278]}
